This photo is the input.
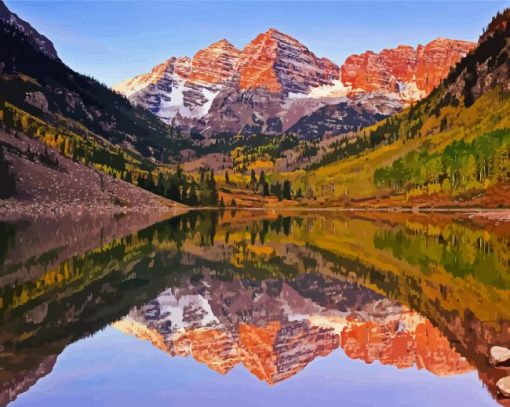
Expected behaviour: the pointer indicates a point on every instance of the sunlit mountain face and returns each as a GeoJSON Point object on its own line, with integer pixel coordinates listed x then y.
{"type": "Point", "coordinates": [274, 294]}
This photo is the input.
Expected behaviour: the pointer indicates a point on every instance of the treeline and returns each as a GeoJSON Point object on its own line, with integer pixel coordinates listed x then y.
{"type": "Point", "coordinates": [461, 166]}
{"type": "Point", "coordinates": [181, 188]}
{"type": "Point", "coordinates": [281, 190]}
{"type": "Point", "coordinates": [459, 250]}
{"type": "Point", "coordinates": [7, 178]}
{"type": "Point", "coordinates": [387, 132]}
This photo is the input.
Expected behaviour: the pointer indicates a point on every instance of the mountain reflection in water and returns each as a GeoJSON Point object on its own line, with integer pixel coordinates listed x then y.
{"type": "Point", "coordinates": [270, 291]}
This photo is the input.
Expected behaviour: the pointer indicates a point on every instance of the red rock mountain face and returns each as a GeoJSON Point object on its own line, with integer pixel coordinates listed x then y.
{"type": "Point", "coordinates": [394, 70]}
{"type": "Point", "coordinates": [275, 81]}
{"type": "Point", "coordinates": [281, 64]}
{"type": "Point", "coordinates": [215, 64]}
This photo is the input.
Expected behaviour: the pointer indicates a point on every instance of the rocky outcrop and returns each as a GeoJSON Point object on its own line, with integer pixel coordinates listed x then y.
{"type": "Point", "coordinates": [13, 385]}
{"type": "Point", "coordinates": [38, 100]}
{"type": "Point", "coordinates": [504, 386]}
{"type": "Point", "coordinates": [281, 64]}
{"type": "Point", "coordinates": [499, 356]}
{"type": "Point", "coordinates": [180, 89]}
{"type": "Point", "coordinates": [406, 341]}
{"type": "Point", "coordinates": [351, 114]}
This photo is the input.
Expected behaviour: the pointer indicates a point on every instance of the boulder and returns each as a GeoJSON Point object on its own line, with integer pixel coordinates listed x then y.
{"type": "Point", "coordinates": [504, 386]}
{"type": "Point", "coordinates": [499, 356]}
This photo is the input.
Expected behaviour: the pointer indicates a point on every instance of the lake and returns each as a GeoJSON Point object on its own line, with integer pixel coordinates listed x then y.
{"type": "Point", "coordinates": [253, 307]}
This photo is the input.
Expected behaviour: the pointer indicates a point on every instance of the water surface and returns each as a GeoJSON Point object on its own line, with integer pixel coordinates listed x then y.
{"type": "Point", "coordinates": [259, 308]}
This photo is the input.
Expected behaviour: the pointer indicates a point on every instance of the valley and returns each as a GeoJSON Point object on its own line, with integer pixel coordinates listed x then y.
{"type": "Point", "coordinates": [221, 203]}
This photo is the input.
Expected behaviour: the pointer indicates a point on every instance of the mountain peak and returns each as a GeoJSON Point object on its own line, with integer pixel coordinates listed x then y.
{"type": "Point", "coordinates": [441, 41]}
{"type": "Point", "coordinates": [279, 63]}
{"type": "Point", "coordinates": [278, 35]}
{"type": "Point", "coordinates": [273, 30]}
{"type": "Point", "coordinates": [230, 89]}
{"type": "Point", "coordinates": [222, 44]}
{"type": "Point", "coordinates": [214, 64]}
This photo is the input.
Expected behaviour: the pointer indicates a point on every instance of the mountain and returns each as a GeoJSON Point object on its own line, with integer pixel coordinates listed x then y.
{"type": "Point", "coordinates": [486, 68]}
{"type": "Point", "coordinates": [276, 84]}
{"type": "Point", "coordinates": [410, 72]}
{"type": "Point", "coordinates": [61, 126]}
{"type": "Point", "coordinates": [183, 88]}
{"type": "Point", "coordinates": [383, 84]}
{"type": "Point", "coordinates": [450, 148]}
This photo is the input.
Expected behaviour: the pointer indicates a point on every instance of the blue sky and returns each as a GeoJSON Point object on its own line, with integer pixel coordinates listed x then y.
{"type": "Point", "coordinates": [114, 40]}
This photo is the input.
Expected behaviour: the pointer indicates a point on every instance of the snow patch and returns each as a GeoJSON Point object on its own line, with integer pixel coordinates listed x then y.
{"type": "Point", "coordinates": [337, 89]}
{"type": "Point", "coordinates": [131, 86]}
{"type": "Point", "coordinates": [409, 91]}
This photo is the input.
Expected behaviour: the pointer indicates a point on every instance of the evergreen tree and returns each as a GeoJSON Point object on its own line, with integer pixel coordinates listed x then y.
{"type": "Point", "coordinates": [276, 190]}
{"type": "Point", "coordinates": [149, 185]}
{"type": "Point", "coordinates": [212, 189]}
{"type": "Point", "coordinates": [262, 179]}
{"type": "Point", "coordinates": [7, 179]}
{"type": "Point", "coordinates": [192, 198]}
{"type": "Point", "coordinates": [227, 178]}
{"type": "Point", "coordinates": [286, 194]}
{"type": "Point", "coordinates": [173, 191]}
{"type": "Point", "coordinates": [265, 189]}
{"type": "Point", "coordinates": [160, 187]}
{"type": "Point", "coordinates": [141, 181]}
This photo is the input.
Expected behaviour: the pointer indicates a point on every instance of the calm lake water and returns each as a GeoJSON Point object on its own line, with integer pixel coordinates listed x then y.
{"type": "Point", "coordinates": [253, 308]}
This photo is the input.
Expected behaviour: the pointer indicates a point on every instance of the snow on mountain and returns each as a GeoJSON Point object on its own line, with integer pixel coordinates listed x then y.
{"type": "Point", "coordinates": [183, 87]}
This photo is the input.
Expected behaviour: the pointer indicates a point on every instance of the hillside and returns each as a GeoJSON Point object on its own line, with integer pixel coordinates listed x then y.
{"type": "Point", "coordinates": [451, 148]}
{"type": "Point", "coordinates": [46, 182]}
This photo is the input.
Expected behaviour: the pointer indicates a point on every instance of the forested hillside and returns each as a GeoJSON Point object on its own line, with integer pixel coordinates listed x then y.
{"type": "Point", "coordinates": [86, 122]}
{"type": "Point", "coordinates": [454, 142]}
